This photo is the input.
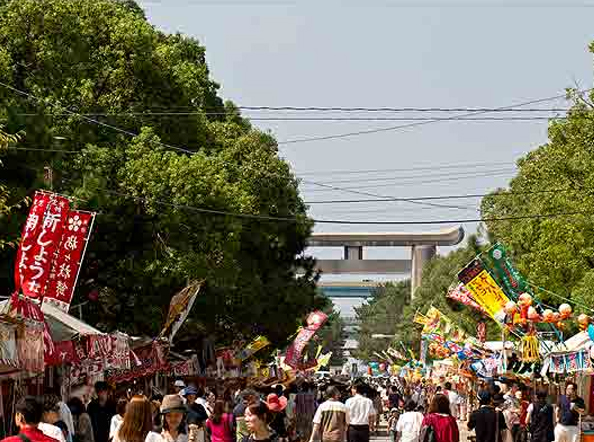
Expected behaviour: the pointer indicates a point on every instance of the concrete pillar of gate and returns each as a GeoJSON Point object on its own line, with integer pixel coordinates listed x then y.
{"type": "Point", "coordinates": [420, 255]}
{"type": "Point", "coordinates": [353, 253]}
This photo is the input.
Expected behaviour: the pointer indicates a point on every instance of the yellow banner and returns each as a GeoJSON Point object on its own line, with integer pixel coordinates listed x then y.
{"type": "Point", "coordinates": [256, 345]}
{"type": "Point", "coordinates": [420, 318]}
{"type": "Point", "coordinates": [488, 294]}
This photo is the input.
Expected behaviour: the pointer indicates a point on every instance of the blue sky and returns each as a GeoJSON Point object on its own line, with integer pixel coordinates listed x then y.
{"type": "Point", "coordinates": [393, 54]}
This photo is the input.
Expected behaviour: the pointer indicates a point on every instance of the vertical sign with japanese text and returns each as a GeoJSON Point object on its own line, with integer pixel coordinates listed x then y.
{"type": "Point", "coordinates": [484, 289]}
{"type": "Point", "coordinates": [40, 240]}
{"type": "Point", "coordinates": [66, 266]}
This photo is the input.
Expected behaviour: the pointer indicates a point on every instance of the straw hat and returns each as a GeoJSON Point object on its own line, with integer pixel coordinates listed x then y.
{"type": "Point", "coordinates": [171, 403]}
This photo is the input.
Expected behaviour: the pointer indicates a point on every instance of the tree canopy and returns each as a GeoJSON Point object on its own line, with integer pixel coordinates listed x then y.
{"type": "Point", "coordinates": [380, 315]}
{"type": "Point", "coordinates": [553, 246]}
{"type": "Point", "coordinates": [178, 197]}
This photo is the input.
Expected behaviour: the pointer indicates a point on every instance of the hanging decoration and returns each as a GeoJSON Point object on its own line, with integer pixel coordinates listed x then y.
{"type": "Point", "coordinates": [529, 347]}
{"type": "Point", "coordinates": [504, 272]}
{"type": "Point", "coordinates": [67, 263]}
{"type": "Point", "coordinates": [461, 294]}
{"type": "Point", "coordinates": [484, 289]}
{"type": "Point", "coordinates": [314, 322]}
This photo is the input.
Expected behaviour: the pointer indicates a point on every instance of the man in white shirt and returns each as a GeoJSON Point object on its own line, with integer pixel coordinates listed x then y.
{"type": "Point", "coordinates": [361, 415]}
{"type": "Point", "coordinates": [51, 414]}
{"type": "Point", "coordinates": [453, 397]}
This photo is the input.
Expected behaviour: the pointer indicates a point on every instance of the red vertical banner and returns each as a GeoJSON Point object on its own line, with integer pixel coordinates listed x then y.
{"type": "Point", "coordinates": [66, 266]}
{"type": "Point", "coordinates": [39, 243]}
{"type": "Point", "coordinates": [315, 321]}
{"type": "Point", "coordinates": [28, 237]}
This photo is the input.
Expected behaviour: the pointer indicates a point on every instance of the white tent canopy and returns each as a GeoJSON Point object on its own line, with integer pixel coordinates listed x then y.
{"type": "Point", "coordinates": [63, 327]}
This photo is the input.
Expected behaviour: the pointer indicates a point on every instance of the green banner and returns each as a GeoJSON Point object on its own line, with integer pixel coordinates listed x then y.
{"type": "Point", "coordinates": [504, 272]}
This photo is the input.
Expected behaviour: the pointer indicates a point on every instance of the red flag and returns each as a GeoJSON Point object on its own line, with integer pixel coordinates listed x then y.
{"type": "Point", "coordinates": [39, 242]}
{"type": "Point", "coordinates": [314, 321]}
{"type": "Point", "coordinates": [66, 266]}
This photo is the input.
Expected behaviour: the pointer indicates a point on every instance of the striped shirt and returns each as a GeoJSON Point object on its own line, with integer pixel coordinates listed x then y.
{"type": "Point", "coordinates": [333, 418]}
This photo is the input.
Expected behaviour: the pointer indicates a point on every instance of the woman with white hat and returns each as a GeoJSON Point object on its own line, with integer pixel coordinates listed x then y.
{"type": "Point", "coordinates": [173, 411]}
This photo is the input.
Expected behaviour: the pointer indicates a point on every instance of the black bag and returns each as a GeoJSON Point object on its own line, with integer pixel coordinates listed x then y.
{"type": "Point", "coordinates": [428, 434]}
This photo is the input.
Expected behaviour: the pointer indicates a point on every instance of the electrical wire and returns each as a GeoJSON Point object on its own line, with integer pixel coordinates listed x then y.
{"type": "Point", "coordinates": [408, 177]}
{"type": "Point", "coordinates": [441, 197]}
{"type": "Point", "coordinates": [416, 182]}
{"type": "Point", "coordinates": [397, 109]}
{"type": "Point", "coordinates": [374, 195]}
{"type": "Point", "coordinates": [88, 119]}
{"type": "Point", "coordinates": [404, 169]}
{"type": "Point", "coordinates": [348, 222]}
{"type": "Point", "coordinates": [418, 123]}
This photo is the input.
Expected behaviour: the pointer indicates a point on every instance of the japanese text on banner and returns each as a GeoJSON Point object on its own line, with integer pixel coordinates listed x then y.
{"type": "Point", "coordinates": [66, 266]}
{"type": "Point", "coordinates": [488, 294]}
{"type": "Point", "coordinates": [41, 238]}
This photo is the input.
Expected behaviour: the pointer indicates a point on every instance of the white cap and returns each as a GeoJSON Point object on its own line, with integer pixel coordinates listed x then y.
{"type": "Point", "coordinates": [179, 383]}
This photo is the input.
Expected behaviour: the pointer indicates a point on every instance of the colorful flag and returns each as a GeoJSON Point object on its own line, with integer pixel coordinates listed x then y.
{"type": "Point", "coordinates": [180, 307]}
{"type": "Point", "coordinates": [461, 294]}
{"type": "Point", "coordinates": [69, 257]}
{"type": "Point", "coordinates": [510, 280]}
{"type": "Point", "coordinates": [256, 345]}
{"type": "Point", "coordinates": [314, 322]}
{"type": "Point", "coordinates": [484, 289]}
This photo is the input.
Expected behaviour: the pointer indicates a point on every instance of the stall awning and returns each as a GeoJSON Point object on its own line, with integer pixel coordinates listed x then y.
{"type": "Point", "coordinates": [63, 327]}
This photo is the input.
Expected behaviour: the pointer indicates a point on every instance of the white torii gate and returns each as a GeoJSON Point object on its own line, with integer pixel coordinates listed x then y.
{"type": "Point", "coordinates": [423, 247]}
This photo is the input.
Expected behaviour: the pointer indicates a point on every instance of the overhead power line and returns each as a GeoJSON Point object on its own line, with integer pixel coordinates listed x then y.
{"type": "Point", "coordinates": [415, 124]}
{"type": "Point", "coordinates": [375, 195]}
{"type": "Point", "coordinates": [424, 176]}
{"type": "Point", "coordinates": [440, 197]}
{"type": "Point", "coordinates": [428, 181]}
{"type": "Point", "coordinates": [349, 222]}
{"type": "Point", "coordinates": [404, 169]}
{"type": "Point", "coordinates": [397, 109]}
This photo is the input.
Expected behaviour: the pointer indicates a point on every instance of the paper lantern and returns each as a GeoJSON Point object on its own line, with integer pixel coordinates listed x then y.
{"type": "Point", "coordinates": [564, 311]}
{"type": "Point", "coordinates": [510, 308]}
{"type": "Point", "coordinates": [548, 315]}
{"type": "Point", "coordinates": [533, 314]}
{"type": "Point", "coordinates": [583, 320]}
{"type": "Point", "coordinates": [556, 316]}
{"type": "Point", "coordinates": [525, 300]}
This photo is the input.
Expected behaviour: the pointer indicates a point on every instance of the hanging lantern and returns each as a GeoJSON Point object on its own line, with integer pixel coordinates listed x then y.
{"type": "Point", "coordinates": [564, 311]}
{"type": "Point", "coordinates": [525, 300]}
{"type": "Point", "coordinates": [510, 308]}
{"type": "Point", "coordinates": [556, 316]}
{"type": "Point", "coordinates": [583, 320]}
{"type": "Point", "coordinates": [548, 316]}
{"type": "Point", "coordinates": [533, 314]}
{"type": "Point", "coordinates": [529, 346]}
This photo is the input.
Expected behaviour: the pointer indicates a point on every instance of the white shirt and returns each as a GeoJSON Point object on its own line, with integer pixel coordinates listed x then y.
{"type": "Point", "coordinates": [51, 431]}
{"type": "Point", "coordinates": [360, 408]}
{"type": "Point", "coordinates": [66, 416]}
{"type": "Point", "coordinates": [116, 421]}
{"type": "Point", "coordinates": [409, 426]}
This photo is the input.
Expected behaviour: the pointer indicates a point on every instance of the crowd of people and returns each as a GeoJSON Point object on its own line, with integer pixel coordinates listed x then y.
{"type": "Point", "coordinates": [421, 412]}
